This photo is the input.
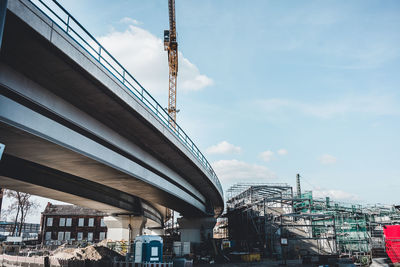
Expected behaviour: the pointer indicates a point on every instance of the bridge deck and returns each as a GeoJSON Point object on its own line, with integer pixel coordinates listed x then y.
{"type": "Point", "coordinates": [46, 55]}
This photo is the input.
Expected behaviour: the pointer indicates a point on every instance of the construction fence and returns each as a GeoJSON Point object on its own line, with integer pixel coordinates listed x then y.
{"type": "Point", "coordinates": [43, 261]}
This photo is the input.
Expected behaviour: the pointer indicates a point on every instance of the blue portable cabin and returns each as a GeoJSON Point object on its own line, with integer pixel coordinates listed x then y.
{"type": "Point", "coordinates": [148, 248]}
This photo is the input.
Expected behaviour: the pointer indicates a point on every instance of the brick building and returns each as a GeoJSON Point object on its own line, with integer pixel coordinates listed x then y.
{"type": "Point", "coordinates": [71, 224]}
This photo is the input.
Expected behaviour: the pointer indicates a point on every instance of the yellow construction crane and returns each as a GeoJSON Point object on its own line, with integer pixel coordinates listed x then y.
{"type": "Point", "coordinates": [171, 45]}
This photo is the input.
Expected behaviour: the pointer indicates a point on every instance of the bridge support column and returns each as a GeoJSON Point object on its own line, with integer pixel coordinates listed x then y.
{"type": "Point", "coordinates": [153, 231]}
{"type": "Point", "coordinates": [196, 230]}
{"type": "Point", "coordinates": [124, 227]}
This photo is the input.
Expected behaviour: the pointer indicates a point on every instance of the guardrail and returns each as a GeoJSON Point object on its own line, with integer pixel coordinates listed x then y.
{"type": "Point", "coordinates": [61, 17]}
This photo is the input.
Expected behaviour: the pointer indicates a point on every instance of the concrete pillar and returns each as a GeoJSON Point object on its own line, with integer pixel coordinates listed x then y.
{"type": "Point", "coordinates": [153, 231]}
{"type": "Point", "coordinates": [196, 230]}
{"type": "Point", "coordinates": [118, 227]}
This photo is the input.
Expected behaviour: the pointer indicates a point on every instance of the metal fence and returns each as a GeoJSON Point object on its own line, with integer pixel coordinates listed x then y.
{"type": "Point", "coordinates": [61, 17]}
{"type": "Point", "coordinates": [143, 264]}
{"type": "Point", "coordinates": [8, 260]}
{"type": "Point", "coordinates": [11, 261]}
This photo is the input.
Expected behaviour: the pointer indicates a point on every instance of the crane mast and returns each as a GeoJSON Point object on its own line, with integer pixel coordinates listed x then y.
{"type": "Point", "coordinates": [171, 45]}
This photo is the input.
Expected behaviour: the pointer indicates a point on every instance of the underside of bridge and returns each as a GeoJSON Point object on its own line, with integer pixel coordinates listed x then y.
{"type": "Point", "coordinates": [74, 133]}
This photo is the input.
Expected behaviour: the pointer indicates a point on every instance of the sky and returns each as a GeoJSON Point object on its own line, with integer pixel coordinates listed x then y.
{"type": "Point", "coordinates": [269, 89]}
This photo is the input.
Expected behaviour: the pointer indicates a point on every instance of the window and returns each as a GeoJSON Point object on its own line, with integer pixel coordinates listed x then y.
{"type": "Point", "coordinates": [154, 251]}
{"type": "Point", "coordinates": [80, 236]}
{"type": "Point", "coordinates": [48, 236]}
{"type": "Point", "coordinates": [102, 235]}
{"type": "Point", "coordinates": [81, 222]}
{"type": "Point", "coordinates": [60, 236]}
{"type": "Point", "coordinates": [91, 222]}
{"type": "Point", "coordinates": [89, 236]}
{"type": "Point", "coordinates": [67, 235]}
{"type": "Point", "coordinates": [102, 223]}
{"type": "Point", "coordinates": [49, 222]}
{"type": "Point", "coordinates": [68, 222]}
{"type": "Point", "coordinates": [62, 222]}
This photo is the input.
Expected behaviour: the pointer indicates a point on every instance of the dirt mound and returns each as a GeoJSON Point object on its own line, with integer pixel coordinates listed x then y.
{"type": "Point", "coordinates": [93, 252]}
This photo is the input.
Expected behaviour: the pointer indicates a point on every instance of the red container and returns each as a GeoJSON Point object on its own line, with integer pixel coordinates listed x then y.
{"type": "Point", "coordinates": [392, 242]}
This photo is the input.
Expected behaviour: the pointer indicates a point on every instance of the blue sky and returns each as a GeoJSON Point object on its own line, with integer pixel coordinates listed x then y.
{"type": "Point", "coordinates": [268, 89]}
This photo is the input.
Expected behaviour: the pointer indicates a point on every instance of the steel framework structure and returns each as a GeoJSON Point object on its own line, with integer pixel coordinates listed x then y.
{"type": "Point", "coordinates": [260, 214]}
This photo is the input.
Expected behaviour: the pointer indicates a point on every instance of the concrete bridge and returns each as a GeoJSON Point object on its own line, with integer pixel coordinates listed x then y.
{"type": "Point", "coordinates": [77, 127]}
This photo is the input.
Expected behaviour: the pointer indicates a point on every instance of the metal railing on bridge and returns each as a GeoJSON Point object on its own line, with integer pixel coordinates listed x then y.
{"type": "Point", "coordinates": [61, 17]}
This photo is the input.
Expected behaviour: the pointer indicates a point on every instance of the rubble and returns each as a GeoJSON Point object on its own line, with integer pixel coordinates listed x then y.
{"type": "Point", "coordinates": [95, 252]}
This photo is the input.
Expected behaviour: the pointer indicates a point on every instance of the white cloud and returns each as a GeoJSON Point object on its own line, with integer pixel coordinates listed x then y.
{"type": "Point", "coordinates": [223, 148]}
{"type": "Point", "coordinates": [267, 155]}
{"type": "Point", "coordinates": [356, 104]}
{"type": "Point", "coordinates": [128, 20]}
{"type": "Point", "coordinates": [235, 171]}
{"type": "Point", "coordinates": [143, 55]}
{"type": "Point", "coordinates": [327, 159]}
{"type": "Point", "coordinates": [191, 80]}
{"type": "Point", "coordinates": [335, 195]}
{"type": "Point", "coordinates": [282, 152]}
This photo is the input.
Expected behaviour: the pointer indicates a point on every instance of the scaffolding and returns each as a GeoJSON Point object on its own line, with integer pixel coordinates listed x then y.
{"type": "Point", "coordinates": [350, 222]}
{"type": "Point", "coordinates": [249, 194]}
{"type": "Point", "coordinates": [309, 233]}
{"type": "Point", "coordinates": [252, 212]}
{"type": "Point", "coordinates": [260, 215]}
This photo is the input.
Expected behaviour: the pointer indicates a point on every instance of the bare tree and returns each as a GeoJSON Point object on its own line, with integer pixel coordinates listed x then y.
{"type": "Point", "coordinates": [21, 205]}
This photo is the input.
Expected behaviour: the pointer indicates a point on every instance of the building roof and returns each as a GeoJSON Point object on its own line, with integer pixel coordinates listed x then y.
{"type": "Point", "coordinates": [70, 210]}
